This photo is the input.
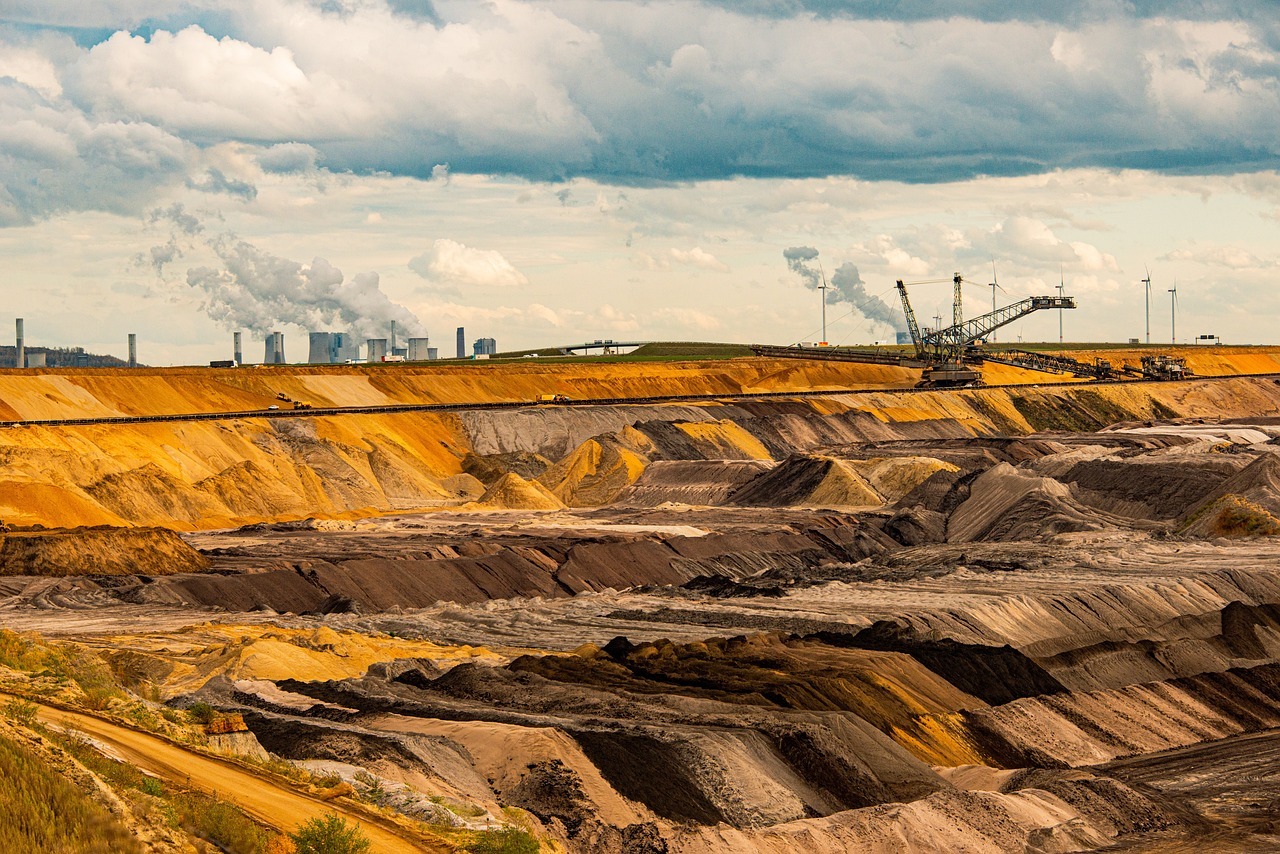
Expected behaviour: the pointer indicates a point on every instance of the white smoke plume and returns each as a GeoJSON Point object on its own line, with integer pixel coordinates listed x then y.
{"type": "Point", "coordinates": [845, 286]}
{"type": "Point", "coordinates": [254, 290]}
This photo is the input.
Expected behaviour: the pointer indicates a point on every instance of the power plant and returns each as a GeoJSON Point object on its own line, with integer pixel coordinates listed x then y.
{"type": "Point", "coordinates": [484, 347]}
{"type": "Point", "coordinates": [275, 349]}
{"type": "Point", "coordinates": [420, 350]}
{"type": "Point", "coordinates": [332, 348]}
{"type": "Point", "coordinates": [376, 350]}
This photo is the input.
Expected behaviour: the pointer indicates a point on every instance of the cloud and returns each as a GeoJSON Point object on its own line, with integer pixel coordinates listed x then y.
{"type": "Point", "coordinates": [54, 159]}
{"type": "Point", "coordinates": [288, 157]}
{"type": "Point", "coordinates": [688, 318]}
{"type": "Point", "coordinates": [697, 257]}
{"type": "Point", "coordinates": [642, 93]}
{"type": "Point", "coordinates": [449, 262]}
{"type": "Point", "coordinates": [215, 181]}
{"type": "Point", "coordinates": [1231, 257]}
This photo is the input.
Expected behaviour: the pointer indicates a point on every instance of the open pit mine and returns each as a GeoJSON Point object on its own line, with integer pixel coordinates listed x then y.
{"type": "Point", "coordinates": [748, 605]}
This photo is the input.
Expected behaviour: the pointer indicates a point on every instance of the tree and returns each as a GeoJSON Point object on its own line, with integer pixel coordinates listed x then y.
{"type": "Point", "coordinates": [329, 834]}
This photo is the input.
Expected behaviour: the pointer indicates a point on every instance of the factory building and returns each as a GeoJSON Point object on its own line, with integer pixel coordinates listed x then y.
{"type": "Point", "coordinates": [462, 343]}
{"type": "Point", "coordinates": [484, 347]}
{"type": "Point", "coordinates": [332, 348]}
{"type": "Point", "coordinates": [376, 349]}
{"type": "Point", "coordinates": [275, 349]}
{"type": "Point", "coordinates": [39, 359]}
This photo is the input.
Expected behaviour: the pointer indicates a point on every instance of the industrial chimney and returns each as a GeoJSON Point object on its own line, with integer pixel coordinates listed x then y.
{"type": "Point", "coordinates": [20, 356]}
{"type": "Point", "coordinates": [393, 337]}
{"type": "Point", "coordinates": [133, 350]}
{"type": "Point", "coordinates": [235, 348]}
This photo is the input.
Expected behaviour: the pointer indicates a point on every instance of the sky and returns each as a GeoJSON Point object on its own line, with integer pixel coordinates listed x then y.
{"type": "Point", "coordinates": [558, 171]}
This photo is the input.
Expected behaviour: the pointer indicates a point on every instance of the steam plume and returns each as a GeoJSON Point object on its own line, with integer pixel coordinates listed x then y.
{"type": "Point", "coordinates": [258, 291]}
{"type": "Point", "coordinates": [846, 286]}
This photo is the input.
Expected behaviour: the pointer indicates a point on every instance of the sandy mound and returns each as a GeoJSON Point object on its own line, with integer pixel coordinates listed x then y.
{"type": "Point", "coordinates": [594, 473]}
{"type": "Point", "coordinates": [894, 477]}
{"type": "Point", "coordinates": [809, 482]}
{"type": "Point", "coordinates": [512, 492]}
{"type": "Point", "coordinates": [1247, 504]}
{"type": "Point", "coordinates": [97, 551]}
{"type": "Point", "coordinates": [1005, 504]}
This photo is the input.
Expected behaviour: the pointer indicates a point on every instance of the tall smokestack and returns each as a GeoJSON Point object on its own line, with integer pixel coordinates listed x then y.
{"type": "Point", "coordinates": [20, 357]}
{"type": "Point", "coordinates": [393, 336]}
{"type": "Point", "coordinates": [235, 348]}
{"type": "Point", "coordinates": [133, 350]}
{"type": "Point", "coordinates": [462, 343]}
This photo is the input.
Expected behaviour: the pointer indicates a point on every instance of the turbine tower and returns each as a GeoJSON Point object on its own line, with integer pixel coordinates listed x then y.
{"type": "Point", "coordinates": [1173, 312]}
{"type": "Point", "coordinates": [1062, 285]}
{"type": "Point", "coordinates": [823, 289]}
{"type": "Point", "coordinates": [995, 283]}
{"type": "Point", "coordinates": [1147, 282]}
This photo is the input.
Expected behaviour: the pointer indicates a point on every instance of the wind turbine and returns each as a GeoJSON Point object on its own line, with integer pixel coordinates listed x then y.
{"type": "Point", "coordinates": [823, 289]}
{"type": "Point", "coordinates": [1147, 282]}
{"type": "Point", "coordinates": [1173, 311]}
{"type": "Point", "coordinates": [995, 283]}
{"type": "Point", "coordinates": [1062, 284]}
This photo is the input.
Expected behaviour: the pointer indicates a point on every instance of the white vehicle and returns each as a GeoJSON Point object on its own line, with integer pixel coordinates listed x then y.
{"type": "Point", "coordinates": [273, 406]}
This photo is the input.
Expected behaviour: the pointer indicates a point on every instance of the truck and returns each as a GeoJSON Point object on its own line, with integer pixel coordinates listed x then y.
{"type": "Point", "coordinates": [552, 398]}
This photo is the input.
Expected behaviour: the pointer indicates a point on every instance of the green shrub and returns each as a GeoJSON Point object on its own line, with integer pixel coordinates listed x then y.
{"type": "Point", "coordinates": [152, 786]}
{"type": "Point", "coordinates": [202, 713]}
{"type": "Point", "coordinates": [20, 711]}
{"type": "Point", "coordinates": [46, 812]}
{"type": "Point", "coordinates": [329, 834]}
{"type": "Point", "coordinates": [509, 840]}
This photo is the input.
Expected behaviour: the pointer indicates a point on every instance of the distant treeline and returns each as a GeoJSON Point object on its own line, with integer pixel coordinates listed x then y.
{"type": "Point", "coordinates": [62, 357]}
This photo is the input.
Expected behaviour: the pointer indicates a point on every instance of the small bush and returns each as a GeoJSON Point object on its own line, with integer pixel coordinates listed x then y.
{"type": "Point", "coordinates": [152, 786]}
{"type": "Point", "coordinates": [329, 834]}
{"type": "Point", "coordinates": [509, 840]}
{"type": "Point", "coordinates": [20, 711]}
{"type": "Point", "coordinates": [202, 713]}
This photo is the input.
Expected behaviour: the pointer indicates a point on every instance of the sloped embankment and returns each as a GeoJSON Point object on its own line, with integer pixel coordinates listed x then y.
{"type": "Point", "coordinates": [98, 551]}
{"type": "Point", "coordinates": [222, 474]}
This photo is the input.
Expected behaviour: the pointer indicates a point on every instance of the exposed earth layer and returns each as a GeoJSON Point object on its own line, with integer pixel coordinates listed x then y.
{"type": "Point", "coordinates": [1038, 619]}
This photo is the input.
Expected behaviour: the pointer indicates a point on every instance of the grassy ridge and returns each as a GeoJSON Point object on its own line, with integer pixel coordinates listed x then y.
{"type": "Point", "coordinates": [41, 811]}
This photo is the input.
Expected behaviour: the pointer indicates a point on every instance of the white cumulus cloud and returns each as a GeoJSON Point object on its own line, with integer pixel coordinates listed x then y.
{"type": "Point", "coordinates": [451, 263]}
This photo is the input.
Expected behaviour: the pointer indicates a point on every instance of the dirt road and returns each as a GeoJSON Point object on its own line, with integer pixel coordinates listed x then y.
{"type": "Point", "coordinates": [276, 806]}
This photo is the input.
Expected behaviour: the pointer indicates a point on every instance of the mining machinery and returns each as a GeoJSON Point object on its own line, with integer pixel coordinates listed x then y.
{"type": "Point", "coordinates": [943, 352]}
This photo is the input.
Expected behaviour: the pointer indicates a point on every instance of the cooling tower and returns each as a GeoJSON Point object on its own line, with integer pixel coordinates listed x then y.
{"type": "Point", "coordinates": [418, 350]}
{"type": "Point", "coordinates": [377, 349]}
{"type": "Point", "coordinates": [321, 349]}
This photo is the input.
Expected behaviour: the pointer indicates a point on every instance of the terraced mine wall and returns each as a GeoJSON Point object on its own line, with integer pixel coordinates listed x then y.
{"type": "Point", "coordinates": [212, 474]}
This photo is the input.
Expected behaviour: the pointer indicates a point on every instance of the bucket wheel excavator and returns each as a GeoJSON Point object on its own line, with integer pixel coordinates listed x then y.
{"type": "Point", "coordinates": [947, 354]}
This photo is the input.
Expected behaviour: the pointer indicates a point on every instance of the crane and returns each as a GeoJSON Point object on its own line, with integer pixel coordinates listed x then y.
{"type": "Point", "coordinates": [944, 350]}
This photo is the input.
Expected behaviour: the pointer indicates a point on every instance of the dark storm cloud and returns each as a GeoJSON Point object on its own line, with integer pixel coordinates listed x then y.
{"type": "Point", "coordinates": [631, 92]}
